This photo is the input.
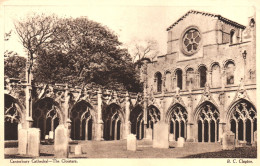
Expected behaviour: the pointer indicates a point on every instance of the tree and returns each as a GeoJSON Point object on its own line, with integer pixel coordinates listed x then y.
{"type": "Point", "coordinates": [14, 67]}
{"type": "Point", "coordinates": [140, 49]}
{"type": "Point", "coordinates": [77, 51]}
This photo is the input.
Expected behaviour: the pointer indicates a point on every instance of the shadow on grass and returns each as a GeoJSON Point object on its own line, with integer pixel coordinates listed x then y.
{"type": "Point", "coordinates": [244, 152]}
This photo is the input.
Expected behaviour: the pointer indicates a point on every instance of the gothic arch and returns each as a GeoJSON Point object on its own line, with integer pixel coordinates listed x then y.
{"type": "Point", "coordinates": [82, 121]}
{"type": "Point", "coordinates": [177, 118]}
{"type": "Point", "coordinates": [13, 116]}
{"type": "Point", "coordinates": [207, 117]}
{"type": "Point", "coordinates": [137, 121]}
{"type": "Point", "coordinates": [242, 120]}
{"type": "Point", "coordinates": [113, 119]}
{"type": "Point", "coordinates": [47, 115]}
{"type": "Point", "coordinates": [153, 116]}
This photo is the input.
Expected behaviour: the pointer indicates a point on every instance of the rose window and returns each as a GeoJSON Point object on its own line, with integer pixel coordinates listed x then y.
{"type": "Point", "coordinates": [191, 41]}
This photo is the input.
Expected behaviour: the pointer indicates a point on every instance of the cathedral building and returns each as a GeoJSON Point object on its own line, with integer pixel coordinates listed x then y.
{"type": "Point", "coordinates": [204, 85]}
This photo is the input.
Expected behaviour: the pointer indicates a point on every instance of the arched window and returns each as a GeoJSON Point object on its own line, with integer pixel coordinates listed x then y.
{"type": "Point", "coordinates": [190, 78]}
{"type": "Point", "coordinates": [179, 78]}
{"type": "Point", "coordinates": [158, 79]}
{"type": "Point", "coordinates": [216, 76]}
{"type": "Point", "coordinates": [232, 37]}
{"type": "Point", "coordinates": [203, 76]}
{"type": "Point", "coordinates": [230, 69]}
{"type": "Point", "coordinates": [168, 81]}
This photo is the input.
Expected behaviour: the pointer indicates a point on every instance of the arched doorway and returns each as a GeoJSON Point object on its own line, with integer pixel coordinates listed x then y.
{"type": "Point", "coordinates": [243, 120]}
{"type": "Point", "coordinates": [113, 120]}
{"type": "Point", "coordinates": [208, 123]}
{"type": "Point", "coordinates": [137, 122]}
{"type": "Point", "coordinates": [82, 121]}
{"type": "Point", "coordinates": [153, 116]}
{"type": "Point", "coordinates": [45, 116]}
{"type": "Point", "coordinates": [177, 119]}
{"type": "Point", "coordinates": [12, 118]}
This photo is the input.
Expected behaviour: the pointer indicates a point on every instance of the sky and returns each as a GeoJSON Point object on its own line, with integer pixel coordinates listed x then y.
{"type": "Point", "coordinates": [129, 21]}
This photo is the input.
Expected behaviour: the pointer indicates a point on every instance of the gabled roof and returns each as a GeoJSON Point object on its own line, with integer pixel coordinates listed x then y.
{"type": "Point", "coordinates": [210, 15]}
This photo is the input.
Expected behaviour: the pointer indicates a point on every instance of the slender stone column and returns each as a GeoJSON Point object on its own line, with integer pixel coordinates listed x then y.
{"type": "Point", "coordinates": [140, 130]}
{"type": "Point", "coordinates": [209, 132]}
{"type": "Point", "coordinates": [244, 131]}
{"type": "Point", "coordinates": [86, 130]}
{"type": "Point", "coordinates": [216, 129]}
{"type": "Point", "coordinates": [174, 131]}
{"type": "Point", "coordinates": [185, 130]}
{"type": "Point", "coordinates": [127, 116]}
{"type": "Point", "coordinates": [145, 114]}
{"type": "Point", "coordinates": [237, 130]}
{"type": "Point", "coordinates": [99, 117]}
{"type": "Point", "coordinates": [202, 131]}
{"type": "Point", "coordinates": [252, 131]}
{"type": "Point", "coordinates": [115, 136]}
{"type": "Point", "coordinates": [179, 128]}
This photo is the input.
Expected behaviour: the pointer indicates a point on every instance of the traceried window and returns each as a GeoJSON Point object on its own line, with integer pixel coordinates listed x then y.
{"type": "Point", "coordinates": [191, 41]}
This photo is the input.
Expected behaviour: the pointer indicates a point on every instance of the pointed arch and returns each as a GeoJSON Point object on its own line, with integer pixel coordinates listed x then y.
{"type": "Point", "coordinates": [82, 117]}
{"type": "Point", "coordinates": [136, 119]}
{"type": "Point", "coordinates": [47, 114]}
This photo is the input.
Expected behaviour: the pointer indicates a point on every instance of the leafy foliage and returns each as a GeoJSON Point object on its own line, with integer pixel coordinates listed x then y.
{"type": "Point", "coordinates": [77, 51]}
{"type": "Point", "coordinates": [15, 67]}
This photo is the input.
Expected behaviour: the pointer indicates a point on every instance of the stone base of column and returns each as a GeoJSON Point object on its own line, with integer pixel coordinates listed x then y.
{"type": "Point", "coordinates": [99, 132]}
{"type": "Point", "coordinates": [149, 134]}
{"type": "Point", "coordinates": [29, 122]}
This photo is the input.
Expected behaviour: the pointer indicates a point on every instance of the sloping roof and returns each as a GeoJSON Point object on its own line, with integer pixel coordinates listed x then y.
{"type": "Point", "coordinates": [207, 14]}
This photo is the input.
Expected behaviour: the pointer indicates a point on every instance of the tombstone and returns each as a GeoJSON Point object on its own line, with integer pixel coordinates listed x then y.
{"type": "Point", "coordinates": [171, 137]}
{"type": "Point", "coordinates": [149, 134]}
{"type": "Point", "coordinates": [180, 142]}
{"type": "Point", "coordinates": [34, 142]}
{"type": "Point", "coordinates": [61, 142]}
{"type": "Point", "coordinates": [78, 150]}
{"type": "Point", "coordinates": [22, 141]}
{"type": "Point", "coordinates": [46, 137]}
{"type": "Point", "coordinates": [228, 141]}
{"type": "Point", "coordinates": [131, 142]}
{"type": "Point", "coordinates": [51, 133]}
{"type": "Point", "coordinates": [160, 137]}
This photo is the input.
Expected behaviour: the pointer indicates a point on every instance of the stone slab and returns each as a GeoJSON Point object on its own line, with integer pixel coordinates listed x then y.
{"type": "Point", "coordinates": [149, 134]}
{"type": "Point", "coordinates": [61, 142]}
{"type": "Point", "coordinates": [34, 142]}
{"type": "Point", "coordinates": [22, 141]}
{"type": "Point", "coordinates": [46, 137]}
{"type": "Point", "coordinates": [171, 137]}
{"type": "Point", "coordinates": [160, 135]}
{"type": "Point", "coordinates": [228, 142]}
{"type": "Point", "coordinates": [131, 142]}
{"type": "Point", "coordinates": [51, 135]}
{"type": "Point", "coordinates": [78, 150]}
{"type": "Point", "coordinates": [180, 142]}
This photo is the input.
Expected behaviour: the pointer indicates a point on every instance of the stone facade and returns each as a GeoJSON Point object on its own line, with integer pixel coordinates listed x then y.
{"type": "Point", "coordinates": [204, 85]}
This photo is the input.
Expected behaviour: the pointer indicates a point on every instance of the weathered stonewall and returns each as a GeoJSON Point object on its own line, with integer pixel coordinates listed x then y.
{"type": "Point", "coordinates": [160, 137]}
{"type": "Point", "coordinates": [180, 142]}
{"type": "Point", "coordinates": [34, 142]}
{"type": "Point", "coordinates": [228, 141]}
{"type": "Point", "coordinates": [22, 141]}
{"type": "Point", "coordinates": [131, 142]}
{"type": "Point", "coordinates": [61, 142]}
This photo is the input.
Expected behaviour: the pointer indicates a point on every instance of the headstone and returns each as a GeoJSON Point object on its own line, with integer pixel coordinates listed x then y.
{"type": "Point", "coordinates": [171, 137]}
{"type": "Point", "coordinates": [131, 142]}
{"type": "Point", "coordinates": [149, 134]}
{"type": "Point", "coordinates": [46, 137]}
{"type": "Point", "coordinates": [34, 142]}
{"type": "Point", "coordinates": [22, 141]}
{"type": "Point", "coordinates": [160, 137]}
{"type": "Point", "coordinates": [180, 142]}
{"type": "Point", "coordinates": [228, 141]}
{"type": "Point", "coordinates": [51, 133]}
{"type": "Point", "coordinates": [61, 142]}
{"type": "Point", "coordinates": [78, 150]}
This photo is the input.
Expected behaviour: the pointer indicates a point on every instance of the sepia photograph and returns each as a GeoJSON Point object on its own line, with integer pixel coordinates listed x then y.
{"type": "Point", "coordinates": [118, 80]}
